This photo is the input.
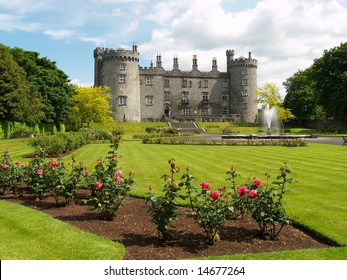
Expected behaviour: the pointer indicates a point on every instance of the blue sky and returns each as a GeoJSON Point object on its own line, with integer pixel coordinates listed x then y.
{"type": "Point", "coordinates": [283, 35]}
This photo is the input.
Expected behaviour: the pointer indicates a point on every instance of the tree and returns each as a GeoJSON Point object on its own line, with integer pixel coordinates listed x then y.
{"type": "Point", "coordinates": [330, 76]}
{"type": "Point", "coordinates": [18, 100]}
{"type": "Point", "coordinates": [52, 83]}
{"type": "Point", "coordinates": [91, 105]}
{"type": "Point", "coordinates": [301, 97]}
{"type": "Point", "coordinates": [270, 95]}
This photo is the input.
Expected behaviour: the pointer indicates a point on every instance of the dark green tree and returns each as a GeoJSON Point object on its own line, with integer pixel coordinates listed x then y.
{"type": "Point", "coordinates": [330, 76]}
{"type": "Point", "coordinates": [18, 100]}
{"type": "Point", "coordinates": [51, 82]}
{"type": "Point", "coordinates": [301, 97]}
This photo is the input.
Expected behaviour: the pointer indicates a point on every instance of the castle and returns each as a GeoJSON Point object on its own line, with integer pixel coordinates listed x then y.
{"type": "Point", "coordinates": [152, 93]}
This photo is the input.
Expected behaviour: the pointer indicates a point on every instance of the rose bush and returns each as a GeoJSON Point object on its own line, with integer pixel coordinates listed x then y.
{"type": "Point", "coordinates": [108, 186]}
{"type": "Point", "coordinates": [209, 209]}
{"type": "Point", "coordinates": [11, 174]}
{"type": "Point", "coordinates": [163, 209]}
{"type": "Point", "coordinates": [263, 201]}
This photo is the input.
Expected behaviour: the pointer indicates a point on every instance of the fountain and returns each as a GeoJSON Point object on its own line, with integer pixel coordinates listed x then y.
{"type": "Point", "coordinates": [269, 115]}
{"type": "Point", "coordinates": [270, 120]}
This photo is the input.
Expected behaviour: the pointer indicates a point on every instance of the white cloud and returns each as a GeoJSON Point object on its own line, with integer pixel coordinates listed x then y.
{"type": "Point", "coordinates": [283, 35]}
{"type": "Point", "coordinates": [130, 28]}
{"type": "Point", "coordinates": [76, 82]}
{"type": "Point", "coordinates": [24, 6]}
{"type": "Point", "coordinates": [60, 34]}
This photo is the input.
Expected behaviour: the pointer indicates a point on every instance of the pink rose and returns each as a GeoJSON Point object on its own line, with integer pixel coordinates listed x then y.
{"type": "Point", "coordinates": [205, 186]}
{"type": "Point", "coordinates": [253, 194]}
{"type": "Point", "coordinates": [242, 190]}
{"type": "Point", "coordinates": [17, 162]}
{"type": "Point", "coordinates": [53, 163]}
{"type": "Point", "coordinates": [40, 171]}
{"type": "Point", "coordinates": [98, 185]}
{"type": "Point", "coordinates": [119, 173]}
{"type": "Point", "coordinates": [4, 165]}
{"type": "Point", "coordinates": [257, 182]}
{"type": "Point", "coordinates": [119, 179]}
{"type": "Point", "coordinates": [86, 173]}
{"type": "Point", "coordinates": [215, 195]}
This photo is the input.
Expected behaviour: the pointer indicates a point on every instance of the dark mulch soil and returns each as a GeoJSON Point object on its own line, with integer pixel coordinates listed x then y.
{"type": "Point", "coordinates": [133, 228]}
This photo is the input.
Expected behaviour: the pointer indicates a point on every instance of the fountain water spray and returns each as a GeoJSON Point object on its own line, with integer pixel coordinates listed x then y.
{"type": "Point", "coordinates": [269, 115]}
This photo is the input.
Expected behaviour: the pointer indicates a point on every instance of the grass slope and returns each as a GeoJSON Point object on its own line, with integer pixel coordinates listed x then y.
{"type": "Point", "coordinates": [29, 234]}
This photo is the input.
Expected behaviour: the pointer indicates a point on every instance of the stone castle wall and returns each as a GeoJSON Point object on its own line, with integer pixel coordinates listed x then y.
{"type": "Point", "coordinates": [154, 93]}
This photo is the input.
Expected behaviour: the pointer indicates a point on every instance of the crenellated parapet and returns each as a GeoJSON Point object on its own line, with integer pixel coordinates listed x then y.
{"type": "Point", "coordinates": [120, 54]}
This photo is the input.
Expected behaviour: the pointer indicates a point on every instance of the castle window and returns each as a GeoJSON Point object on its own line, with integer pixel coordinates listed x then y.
{"type": "Point", "coordinates": [148, 81]}
{"type": "Point", "coordinates": [204, 97]}
{"type": "Point", "coordinates": [244, 82]}
{"type": "Point", "coordinates": [149, 100]}
{"type": "Point", "coordinates": [225, 110]}
{"type": "Point", "coordinates": [185, 98]}
{"type": "Point", "coordinates": [190, 84]}
{"type": "Point", "coordinates": [204, 111]}
{"type": "Point", "coordinates": [121, 79]}
{"type": "Point", "coordinates": [166, 83]}
{"type": "Point", "coordinates": [225, 84]}
{"type": "Point", "coordinates": [225, 96]}
{"type": "Point", "coordinates": [122, 100]}
{"type": "Point", "coordinates": [184, 83]}
{"type": "Point", "coordinates": [200, 84]}
{"type": "Point", "coordinates": [244, 106]}
{"type": "Point", "coordinates": [244, 71]}
{"type": "Point", "coordinates": [244, 93]}
{"type": "Point", "coordinates": [205, 83]}
{"type": "Point", "coordinates": [166, 95]}
{"type": "Point", "coordinates": [122, 66]}
{"type": "Point", "coordinates": [186, 111]}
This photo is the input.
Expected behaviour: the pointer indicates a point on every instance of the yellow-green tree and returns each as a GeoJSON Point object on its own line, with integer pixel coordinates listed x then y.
{"type": "Point", "coordinates": [270, 94]}
{"type": "Point", "coordinates": [92, 105]}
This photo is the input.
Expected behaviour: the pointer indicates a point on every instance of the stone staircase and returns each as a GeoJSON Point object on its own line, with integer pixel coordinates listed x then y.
{"type": "Point", "coordinates": [187, 127]}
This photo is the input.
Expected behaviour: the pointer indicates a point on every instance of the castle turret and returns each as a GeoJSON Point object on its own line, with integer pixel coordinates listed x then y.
{"type": "Point", "coordinates": [243, 86]}
{"type": "Point", "coordinates": [119, 70]}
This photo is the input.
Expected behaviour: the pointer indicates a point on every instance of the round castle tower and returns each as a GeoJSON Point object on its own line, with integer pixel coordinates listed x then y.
{"type": "Point", "coordinates": [243, 86]}
{"type": "Point", "coordinates": [119, 70]}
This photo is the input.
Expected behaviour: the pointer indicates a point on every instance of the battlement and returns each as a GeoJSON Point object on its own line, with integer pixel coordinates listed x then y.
{"type": "Point", "coordinates": [116, 54]}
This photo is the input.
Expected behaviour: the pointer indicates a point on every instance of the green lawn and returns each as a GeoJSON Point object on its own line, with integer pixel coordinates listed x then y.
{"type": "Point", "coordinates": [318, 196]}
{"type": "Point", "coordinates": [30, 234]}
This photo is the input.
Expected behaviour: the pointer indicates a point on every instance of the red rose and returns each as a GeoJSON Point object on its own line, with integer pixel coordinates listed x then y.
{"type": "Point", "coordinates": [98, 185]}
{"type": "Point", "coordinates": [242, 190]}
{"type": "Point", "coordinates": [257, 182]}
{"type": "Point", "coordinates": [215, 195]}
{"type": "Point", "coordinates": [205, 186]}
{"type": "Point", "coordinates": [253, 194]}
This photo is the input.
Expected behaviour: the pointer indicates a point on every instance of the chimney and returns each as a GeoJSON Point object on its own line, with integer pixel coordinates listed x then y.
{"type": "Point", "coordinates": [158, 63]}
{"type": "Point", "coordinates": [175, 63]}
{"type": "Point", "coordinates": [214, 64]}
{"type": "Point", "coordinates": [195, 62]}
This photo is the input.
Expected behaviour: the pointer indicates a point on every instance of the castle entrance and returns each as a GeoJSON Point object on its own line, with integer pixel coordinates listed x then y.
{"type": "Point", "coordinates": [167, 110]}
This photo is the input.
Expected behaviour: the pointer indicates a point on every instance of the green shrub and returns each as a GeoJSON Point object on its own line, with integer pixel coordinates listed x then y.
{"type": "Point", "coordinates": [54, 145]}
